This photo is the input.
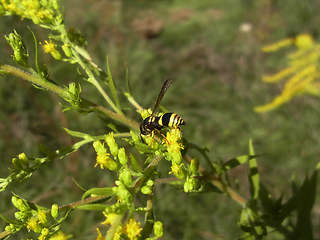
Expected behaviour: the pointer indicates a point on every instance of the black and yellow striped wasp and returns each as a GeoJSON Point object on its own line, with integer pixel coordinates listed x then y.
{"type": "Point", "coordinates": [155, 123]}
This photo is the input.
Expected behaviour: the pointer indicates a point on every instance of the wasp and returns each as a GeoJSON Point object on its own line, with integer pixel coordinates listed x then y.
{"type": "Point", "coordinates": [155, 123]}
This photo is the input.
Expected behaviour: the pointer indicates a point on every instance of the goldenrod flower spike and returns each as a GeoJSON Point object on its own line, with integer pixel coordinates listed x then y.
{"type": "Point", "coordinates": [277, 45]}
{"type": "Point", "coordinates": [302, 73]}
{"type": "Point", "coordinates": [304, 41]}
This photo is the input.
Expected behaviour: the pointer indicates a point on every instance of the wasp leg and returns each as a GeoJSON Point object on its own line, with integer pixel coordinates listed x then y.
{"type": "Point", "coordinates": [163, 136]}
{"type": "Point", "coordinates": [142, 138]}
{"type": "Point", "coordinates": [152, 137]}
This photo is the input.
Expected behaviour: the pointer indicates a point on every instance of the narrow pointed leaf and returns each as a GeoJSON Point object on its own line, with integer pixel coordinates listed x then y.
{"type": "Point", "coordinates": [234, 162]}
{"type": "Point", "coordinates": [107, 191]}
{"type": "Point", "coordinates": [253, 173]}
{"type": "Point", "coordinates": [112, 86]}
{"type": "Point", "coordinates": [92, 207]}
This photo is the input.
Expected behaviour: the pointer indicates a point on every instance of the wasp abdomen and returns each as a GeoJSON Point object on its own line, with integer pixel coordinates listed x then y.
{"type": "Point", "coordinates": [170, 120]}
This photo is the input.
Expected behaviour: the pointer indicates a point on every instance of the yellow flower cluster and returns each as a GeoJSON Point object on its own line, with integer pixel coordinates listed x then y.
{"type": "Point", "coordinates": [174, 146]}
{"type": "Point", "coordinates": [59, 236]}
{"type": "Point", "coordinates": [103, 158]}
{"type": "Point", "coordinates": [132, 229]}
{"type": "Point", "coordinates": [38, 11]}
{"type": "Point", "coordinates": [36, 223]}
{"type": "Point", "coordinates": [302, 73]}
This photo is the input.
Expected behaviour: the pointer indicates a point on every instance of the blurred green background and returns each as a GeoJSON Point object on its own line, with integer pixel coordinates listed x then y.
{"type": "Point", "coordinates": [212, 51]}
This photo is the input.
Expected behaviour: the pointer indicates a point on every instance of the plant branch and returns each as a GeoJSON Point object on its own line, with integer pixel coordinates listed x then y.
{"type": "Point", "coordinates": [35, 79]}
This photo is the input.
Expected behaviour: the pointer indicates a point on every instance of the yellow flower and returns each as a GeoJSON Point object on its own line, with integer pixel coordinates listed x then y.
{"type": "Point", "coordinates": [109, 218]}
{"type": "Point", "coordinates": [304, 41]}
{"type": "Point", "coordinates": [102, 160]}
{"type": "Point", "coordinates": [145, 113]}
{"type": "Point", "coordinates": [100, 237]}
{"type": "Point", "coordinates": [59, 236]}
{"type": "Point", "coordinates": [276, 46]}
{"type": "Point", "coordinates": [44, 234]}
{"type": "Point", "coordinates": [279, 76]}
{"type": "Point", "coordinates": [173, 145]}
{"type": "Point", "coordinates": [178, 170]}
{"type": "Point", "coordinates": [33, 225]}
{"type": "Point", "coordinates": [50, 47]}
{"type": "Point", "coordinates": [37, 11]}
{"type": "Point", "coordinates": [302, 73]}
{"type": "Point", "coordinates": [105, 161]}
{"type": "Point", "coordinates": [132, 229]}
{"type": "Point", "coordinates": [42, 217]}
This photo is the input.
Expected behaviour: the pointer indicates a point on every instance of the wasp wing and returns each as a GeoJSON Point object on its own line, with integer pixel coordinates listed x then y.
{"type": "Point", "coordinates": [162, 92]}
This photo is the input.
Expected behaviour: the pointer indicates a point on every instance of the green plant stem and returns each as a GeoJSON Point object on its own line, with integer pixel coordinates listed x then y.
{"type": "Point", "coordinates": [149, 169]}
{"type": "Point", "coordinates": [133, 102]}
{"type": "Point", "coordinates": [119, 117]}
{"type": "Point", "coordinates": [83, 202]}
{"type": "Point", "coordinates": [35, 79]}
{"type": "Point", "coordinates": [4, 234]}
{"type": "Point", "coordinates": [92, 79]}
{"type": "Point", "coordinates": [114, 226]}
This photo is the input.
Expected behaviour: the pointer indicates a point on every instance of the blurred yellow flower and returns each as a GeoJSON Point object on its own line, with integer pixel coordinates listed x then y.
{"type": "Point", "coordinates": [301, 75]}
{"type": "Point", "coordinates": [304, 41]}
{"type": "Point", "coordinates": [277, 45]}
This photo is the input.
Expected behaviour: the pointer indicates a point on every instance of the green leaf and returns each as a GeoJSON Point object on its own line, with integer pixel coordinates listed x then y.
{"type": "Point", "coordinates": [7, 220]}
{"type": "Point", "coordinates": [112, 86]}
{"type": "Point", "coordinates": [135, 164]}
{"type": "Point", "coordinates": [92, 207]}
{"type": "Point", "coordinates": [250, 222]}
{"type": "Point", "coordinates": [307, 198]}
{"type": "Point", "coordinates": [78, 134]}
{"type": "Point", "coordinates": [253, 173]}
{"type": "Point", "coordinates": [107, 191]}
{"type": "Point", "coordinates": [237, 161]}
{"type": "Point", "coordinates": [266, 200]}
{"type": "Point", "coordinates": [36, 55]}
{"type": "Point", "coordinates": [55, 227]}
{"type": "Point", "coordinates": [128, 81]}
{"type": "Point", "coordinates": [302, 201]}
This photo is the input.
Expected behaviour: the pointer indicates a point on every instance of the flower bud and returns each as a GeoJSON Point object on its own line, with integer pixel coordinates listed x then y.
{"type": "Point", "coordinates": [191, 184]}
{"type": "Point", "coordinates": [19, 203]}
{"type": "Point", "coordinates": [66, 49]}
{"type": "Point", "coordinates": [134, 136]}
{"type": "Point", "coordinates": [147, 189]}
{"type": "Point", "coordinates": [125, 177]}
{"type": "Point", "coordinates": [112, 144]}
{"type": "Point", "coordinates": [122, 157]}
{"type": "Point", "coordinates": [20, 53]}
{"type": "Point", "coordinates": [188, 186]}
{"type": "Point", "coordinates": [23, 159]}
{"type": "Point", "coordinates": [16, 163]}
{"type": "Point", "coordinates": [99, 148]}
{"type": "Point", "coordinates": [54, 211]}
{"type": "Point", "coordinates": [158, 229]}
{"type": "Point", "coordinates": [178, 170]}
{"type": "Point", "coordinates": [194, 166]}
{"type": "Point", "coordinates": [122, 193]}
